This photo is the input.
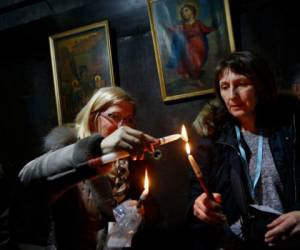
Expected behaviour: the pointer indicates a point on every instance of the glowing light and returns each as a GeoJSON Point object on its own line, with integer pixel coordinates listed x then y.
{"type": "Point", "coordinates": [187, 148]}
{"type": "Point", "coordinates": [184, 134]}
{"type": "Point", "coordinates": [146, 181]}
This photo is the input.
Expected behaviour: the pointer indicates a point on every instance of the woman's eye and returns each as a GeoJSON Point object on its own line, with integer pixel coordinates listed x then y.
{"type": "Point", "coordinates": [223, 86]}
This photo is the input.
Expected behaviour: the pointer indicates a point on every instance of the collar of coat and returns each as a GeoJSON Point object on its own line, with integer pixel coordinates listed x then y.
{"type": "Point", "coordinates": [59, 137]}
{"type": "Point", "coordinates": [278, 112]}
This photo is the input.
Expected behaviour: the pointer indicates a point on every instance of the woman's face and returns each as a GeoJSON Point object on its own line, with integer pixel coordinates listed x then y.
{"type": "Point", "coordinates": [187, 13]}
{"type": "Point", "coordinates": [115, 116]}
{"type": "Point", "coordinates": [238, 94]}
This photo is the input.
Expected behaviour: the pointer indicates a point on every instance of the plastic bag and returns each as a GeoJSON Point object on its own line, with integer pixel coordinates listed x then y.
{"type": "Point", "coordinates": [128, 219]}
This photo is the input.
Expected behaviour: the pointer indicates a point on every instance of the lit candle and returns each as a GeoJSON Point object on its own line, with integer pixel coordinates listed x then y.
{"type": "Point", "coordinates": [193, 162]}
{"type": "Point", "coordinates": [195, 166]}
{"type": "Point", "coordinates": [114, 156]}
{"type": "Point", "coordinates": [169, 138]}
{"type": "Point", "coordinates": [144, 194]}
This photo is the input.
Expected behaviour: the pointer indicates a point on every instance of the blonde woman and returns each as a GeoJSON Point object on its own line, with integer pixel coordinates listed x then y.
{"type": "Point", "coordinates": [82, 204]}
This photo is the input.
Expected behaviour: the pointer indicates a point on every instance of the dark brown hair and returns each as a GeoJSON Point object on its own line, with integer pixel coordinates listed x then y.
{"type": "Point", "coordinates": [253, 67]}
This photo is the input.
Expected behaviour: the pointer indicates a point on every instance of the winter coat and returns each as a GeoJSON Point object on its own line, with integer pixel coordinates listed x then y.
{"type": "Point", "coordinates": [222, 163]}
{"type": "Point", "coordinates": [80, 203]}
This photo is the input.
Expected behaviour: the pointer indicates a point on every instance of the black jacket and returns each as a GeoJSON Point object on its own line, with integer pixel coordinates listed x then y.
{"type": "Point", "coordinates": [222, 164]}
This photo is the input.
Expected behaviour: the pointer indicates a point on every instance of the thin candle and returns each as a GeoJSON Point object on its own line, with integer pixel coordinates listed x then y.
{"type": "Point", "coordinates": [169, 138]}
{"type": "Point", "coordinates": [114, 156]}
{"type": "Point", "coordinates": [197, 170]}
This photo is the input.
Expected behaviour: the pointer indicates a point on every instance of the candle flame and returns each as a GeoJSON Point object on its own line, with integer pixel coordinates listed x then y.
{"type": "Point", "coordinates": [184, 134]}
{"type": "Point", "coordinates": [146, 180]}
{"type": "Point", "coordinates": [187, 148]}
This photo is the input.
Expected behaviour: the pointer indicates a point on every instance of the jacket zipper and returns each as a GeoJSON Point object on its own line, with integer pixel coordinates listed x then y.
{"type": "Point", "coordinates": [293, 163]}
{"type": "Point", "coordinates": [240, 156]}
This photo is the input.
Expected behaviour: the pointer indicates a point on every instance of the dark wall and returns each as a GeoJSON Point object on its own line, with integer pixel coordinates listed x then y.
{"type": "Point", "coordinates": [270, 29]}
{"type": "Point", "coordinates": [27, 93]}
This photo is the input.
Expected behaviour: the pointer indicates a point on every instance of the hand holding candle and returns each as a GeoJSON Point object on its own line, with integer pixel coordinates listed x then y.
{"type": "Point", "coordinates": [114, 156]}
{"type": "Point", "coordinates": [195, 166]}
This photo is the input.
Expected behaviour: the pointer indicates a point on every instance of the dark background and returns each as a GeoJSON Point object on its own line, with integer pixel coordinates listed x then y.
{"type": "Point", "coordinates": [268, 27]}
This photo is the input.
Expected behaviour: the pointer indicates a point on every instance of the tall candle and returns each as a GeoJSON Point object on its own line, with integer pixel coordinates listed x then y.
{"type": "Point", "coordinates": [197, 171]}
{"type": "Point", "coordinates": [195, 166]}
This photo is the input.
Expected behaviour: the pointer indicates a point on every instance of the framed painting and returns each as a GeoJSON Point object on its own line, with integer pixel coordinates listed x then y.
{"type": "Point", "coordinates": [81, 63]}
{"type": "Point", "coordinates": [189, 37]}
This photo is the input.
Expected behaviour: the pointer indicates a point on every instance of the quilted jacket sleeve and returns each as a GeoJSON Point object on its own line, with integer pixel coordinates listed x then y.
{"type": "Point", "coordinates": [62, 168]}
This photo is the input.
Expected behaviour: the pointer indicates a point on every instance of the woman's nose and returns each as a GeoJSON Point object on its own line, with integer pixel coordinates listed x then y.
{"type": "Point", "coordinates": [233, 92]}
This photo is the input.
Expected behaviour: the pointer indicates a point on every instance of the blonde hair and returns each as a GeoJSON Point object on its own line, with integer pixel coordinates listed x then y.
{"type": "Point", "coordinates": [100, 101]}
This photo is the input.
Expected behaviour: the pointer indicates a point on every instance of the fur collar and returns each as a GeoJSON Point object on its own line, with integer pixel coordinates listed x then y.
{"type": "Point", "coordinates": [276, 113]}
{"type": "Point", "coordinates": [59, 137]}
{"type": "Point", "coordinates": [204, 123]}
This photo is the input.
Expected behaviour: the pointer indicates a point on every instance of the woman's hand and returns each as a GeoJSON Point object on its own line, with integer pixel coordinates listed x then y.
{"type": "Point", "coordinates": [134, 141]}
{"type": "Point", "coordinates": [282, 228]}
{"type": "Point", "coordinates": [209, 211]}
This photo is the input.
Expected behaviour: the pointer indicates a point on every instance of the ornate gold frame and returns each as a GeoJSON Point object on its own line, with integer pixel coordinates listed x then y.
{"type": "Point", "coordinates": [160, 46]}
{"type": "Point", "coordinates": [78, 50]}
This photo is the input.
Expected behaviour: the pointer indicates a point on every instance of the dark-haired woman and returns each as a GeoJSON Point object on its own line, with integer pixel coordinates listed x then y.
{"type": "Point", "coordinates": [252, 158]}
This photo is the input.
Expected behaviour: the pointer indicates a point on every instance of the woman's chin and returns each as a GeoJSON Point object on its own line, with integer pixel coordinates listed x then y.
{"type": "Point", "coordinates": [239, 114]}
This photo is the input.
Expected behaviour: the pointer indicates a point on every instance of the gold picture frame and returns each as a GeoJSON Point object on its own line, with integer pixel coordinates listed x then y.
{"type": "Point", "coordinates": [81, 63]}
{"type": "Point", "coordinates": [189, 38]}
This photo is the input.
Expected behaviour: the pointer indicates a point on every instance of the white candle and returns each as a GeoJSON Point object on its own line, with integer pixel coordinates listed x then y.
{"type": "Point", "coordinates": [144, 194]}
{"type": "Point", "coordinates": [198, 173]}
{"type": "Point", "coordinates": [169, 138]}
{"type": "Point", "coordinates": [114, 156]}
{"type": "Point", "coordinates": [195, 166]}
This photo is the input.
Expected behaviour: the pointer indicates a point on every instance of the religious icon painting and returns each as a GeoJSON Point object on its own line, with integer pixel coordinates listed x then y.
{"type": "Point", "coordinates": [189, 37]}
{"type": "Point", "coordinates": [81, 63]}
